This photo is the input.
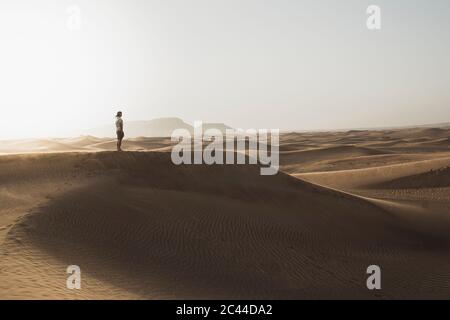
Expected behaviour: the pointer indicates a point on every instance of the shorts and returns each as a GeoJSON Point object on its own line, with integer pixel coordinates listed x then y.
{"type": "Point", "coordinates": [120, 135]}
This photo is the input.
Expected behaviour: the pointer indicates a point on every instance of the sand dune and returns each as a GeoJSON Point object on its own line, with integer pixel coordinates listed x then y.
{"type": "Point", "coordinates": [318, 154]}
{"type": "Point", "coordinates": [141, 227]}
{"type": "Point", "coordinates": [437, 178]}
{"type": "Point", "coordinates": [36, 145]}
{"type": "Point", "coordinates": [115, 219]}
{"type": "Point", "coordinates": [370, 177]}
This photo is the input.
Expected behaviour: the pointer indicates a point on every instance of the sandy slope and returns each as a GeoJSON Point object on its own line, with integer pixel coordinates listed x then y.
{"type": "Point", "coordinates": [141, 227]}
{"type": "Point", "coordinates": [370, 177]}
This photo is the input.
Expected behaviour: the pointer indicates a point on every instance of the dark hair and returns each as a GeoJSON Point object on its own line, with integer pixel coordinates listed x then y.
{"type": "Point", "coordinates": [119, 114]}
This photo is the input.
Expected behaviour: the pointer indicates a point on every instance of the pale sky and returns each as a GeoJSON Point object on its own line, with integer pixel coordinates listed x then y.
{"type": "Point", "coordinates": [248, 63]}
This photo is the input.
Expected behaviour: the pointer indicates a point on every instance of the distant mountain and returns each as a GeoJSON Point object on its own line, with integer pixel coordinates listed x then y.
{"type": "Point", "coordinates": [162, 127]}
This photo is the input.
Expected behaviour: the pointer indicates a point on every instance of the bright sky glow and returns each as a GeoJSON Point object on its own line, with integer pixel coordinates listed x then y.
{"type": "Point", "coordinates": [248, 63]}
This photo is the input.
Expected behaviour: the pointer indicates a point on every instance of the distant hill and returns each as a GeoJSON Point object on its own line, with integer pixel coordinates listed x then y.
{"type": "Point", "coordinates": [161, 127]}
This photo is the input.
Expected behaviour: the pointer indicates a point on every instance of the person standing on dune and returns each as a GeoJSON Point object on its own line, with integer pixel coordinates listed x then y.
{"type": "Point", "coordinates": [119, 130]}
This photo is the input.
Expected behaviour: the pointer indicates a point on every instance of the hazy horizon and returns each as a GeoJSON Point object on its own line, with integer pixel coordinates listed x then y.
{"type": "Point", "coordinates": [291, 65]}
{"type": "Point", "coordinates": [131, 125]}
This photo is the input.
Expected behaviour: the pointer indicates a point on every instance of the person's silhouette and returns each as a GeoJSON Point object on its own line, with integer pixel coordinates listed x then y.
{"type": "Point", "coordinates": [119, 130]}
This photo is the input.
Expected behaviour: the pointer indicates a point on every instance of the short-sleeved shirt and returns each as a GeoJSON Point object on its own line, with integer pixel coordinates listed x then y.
{"type": "Point", "coordinates": [119, 124]}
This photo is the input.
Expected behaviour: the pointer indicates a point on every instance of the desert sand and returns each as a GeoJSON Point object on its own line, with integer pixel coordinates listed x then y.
{"type": "Point", "coordinates": [140, 227]}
